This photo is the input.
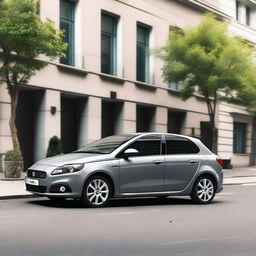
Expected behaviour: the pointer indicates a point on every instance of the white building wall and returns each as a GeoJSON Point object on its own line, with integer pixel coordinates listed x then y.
{"type": "Point", "coordinates": [86, 79]}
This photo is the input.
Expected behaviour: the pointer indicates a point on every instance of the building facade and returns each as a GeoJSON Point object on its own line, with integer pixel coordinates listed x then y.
{"type": "Point", "coordinates": [109, 83]}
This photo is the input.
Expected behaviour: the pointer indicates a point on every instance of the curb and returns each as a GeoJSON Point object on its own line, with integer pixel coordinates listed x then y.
{"type": "Point", "coordinates": [11, 179]}
{"type": "Point", "coordinates": [17, 196]}
{"type": "Point", "coordinates": [238, 183]}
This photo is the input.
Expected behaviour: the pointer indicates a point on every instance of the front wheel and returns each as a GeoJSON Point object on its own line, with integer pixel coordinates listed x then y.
{"type": "Point", "coordinates": [203, 191]}
{"type": "Point", "coordinates": [96, 192]}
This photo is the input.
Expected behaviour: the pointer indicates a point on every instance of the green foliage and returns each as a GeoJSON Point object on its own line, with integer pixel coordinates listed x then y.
{"type": "Point", "coordinates": [13, 155]}
{"type": "Point", "coordinates": [23, 37]}
{"type": "Point", "coordinates": [208, 59]}
{"type": "Point", "coordinates": [54, 147]}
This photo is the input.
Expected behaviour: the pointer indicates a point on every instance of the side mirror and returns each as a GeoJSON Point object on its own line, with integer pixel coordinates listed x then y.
{"type": "Point", "coordinates": [130, 152]}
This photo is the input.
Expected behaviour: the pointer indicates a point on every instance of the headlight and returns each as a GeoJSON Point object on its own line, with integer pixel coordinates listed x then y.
{"type": "Point", "coordinates": [68, 168]}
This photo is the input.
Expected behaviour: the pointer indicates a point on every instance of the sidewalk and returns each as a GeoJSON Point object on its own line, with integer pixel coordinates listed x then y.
{"type": "Point", "coordinates": [10, 188]}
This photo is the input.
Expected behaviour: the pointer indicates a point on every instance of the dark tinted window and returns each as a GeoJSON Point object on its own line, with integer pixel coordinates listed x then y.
{"type": "Point", "coordinates": [147, 145]}
{"type": "Point", "coordinates": [178, 145]}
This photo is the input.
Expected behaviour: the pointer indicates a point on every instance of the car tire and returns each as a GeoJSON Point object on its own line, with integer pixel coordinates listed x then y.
{"type": "Point", "coordinates": [97, 192]}
{"type": "Point", "coordinates": [203, 190]}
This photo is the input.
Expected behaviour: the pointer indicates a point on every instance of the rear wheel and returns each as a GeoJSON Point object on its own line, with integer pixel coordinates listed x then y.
{"type": "Point", "coordinates": [96, 192]}
{"type": "Point", "coordinates": [203, 191]}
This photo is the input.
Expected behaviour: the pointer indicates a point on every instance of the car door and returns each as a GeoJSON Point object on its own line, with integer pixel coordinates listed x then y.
{"type": "Point", "coordinates": [181, 162]}
{"type": "Point", "coordinates": [145, 171]}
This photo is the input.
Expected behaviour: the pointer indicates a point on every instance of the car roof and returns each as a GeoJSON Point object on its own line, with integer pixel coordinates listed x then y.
{"type": "Point", "coordinates": [159, 133]}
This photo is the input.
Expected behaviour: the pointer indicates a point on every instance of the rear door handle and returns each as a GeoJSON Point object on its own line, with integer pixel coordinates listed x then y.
{"type": "Point", "coordinates": [157, 161]}
{"type": "Point", "coordinates": [193, 161]}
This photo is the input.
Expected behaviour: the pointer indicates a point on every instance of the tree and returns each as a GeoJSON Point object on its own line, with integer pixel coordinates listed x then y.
{"type": "Point", "coordinates": [23, 38]}
{"type": "Point", "coordinates": [208, 61]}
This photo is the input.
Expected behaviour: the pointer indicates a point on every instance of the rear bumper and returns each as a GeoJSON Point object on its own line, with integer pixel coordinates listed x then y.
{"type": "Point", "coordinates": [220, 182]}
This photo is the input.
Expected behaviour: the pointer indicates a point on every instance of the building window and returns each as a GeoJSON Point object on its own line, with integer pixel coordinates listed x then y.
{"type": "Point", "coordinates": [108, 44]}
{"type": "Point", "coordinates": [239, 138]}
{"type": "Point", "coordinates": [237, 10]}
{"type": "Point", "coordinates": [248, 15]}
{"type": "Point", "coordinates": [67, 17]}
{"type": "Point", "coordinates": [143, 53]}
{"type": "Point", "coordinates": [175, 86]}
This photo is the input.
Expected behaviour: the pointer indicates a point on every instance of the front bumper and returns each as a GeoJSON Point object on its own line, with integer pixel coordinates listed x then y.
{"type": "Point", "coordinates": [50, 184]}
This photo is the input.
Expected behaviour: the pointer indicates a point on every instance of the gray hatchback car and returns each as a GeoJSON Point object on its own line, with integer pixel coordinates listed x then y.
{"type": "Point", "coordinates": [138, 164]}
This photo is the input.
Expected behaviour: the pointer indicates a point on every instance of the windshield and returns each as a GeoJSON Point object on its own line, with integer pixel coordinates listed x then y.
{"type": "Point", "coordinates": [105, 145]}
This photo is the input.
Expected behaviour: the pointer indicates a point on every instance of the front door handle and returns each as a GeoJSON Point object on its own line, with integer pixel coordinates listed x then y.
{"type": "Point", "coordinates": [193, 161]}
{"type": "Point", "coordinates": [157, 161]}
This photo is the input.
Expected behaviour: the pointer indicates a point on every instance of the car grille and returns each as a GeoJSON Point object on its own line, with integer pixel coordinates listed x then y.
{"type": "Point", "coordinates": [39, 189]}
{"type": "Point", "coordinates": [36, 174]}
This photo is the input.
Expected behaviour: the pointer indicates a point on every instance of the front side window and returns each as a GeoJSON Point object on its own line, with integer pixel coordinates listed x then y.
{"type": "Point", "coordinates": [147, 145]}
{"type": "Point", "coordinates": [108, 44]}
{"type": "Point", "coordinates": [143, 53]}
{"type": "Point", "coordinates": [67, 21]}
{"type": "Point", "coordinates": [179, 145]}
{"type": "Point", "coordinates": [239, 138]}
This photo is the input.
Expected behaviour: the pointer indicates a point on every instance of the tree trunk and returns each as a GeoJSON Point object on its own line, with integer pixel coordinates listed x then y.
{"type": "Point", "coordinates": [214, 140]}
{"type": "Point", "coordinates": [214, 133]}
{"type": "Point", "coordinates": [253, 143]}
{"type": "Point", "coordinates": [12, 122]}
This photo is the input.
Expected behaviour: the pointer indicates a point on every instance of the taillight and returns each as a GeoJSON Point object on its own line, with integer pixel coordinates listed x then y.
{"type": "Point", "coordinates": [220, 161]}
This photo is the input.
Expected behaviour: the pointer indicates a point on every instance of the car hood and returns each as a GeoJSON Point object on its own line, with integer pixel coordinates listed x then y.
{"type": "Point", "coordinates": [73, 158]}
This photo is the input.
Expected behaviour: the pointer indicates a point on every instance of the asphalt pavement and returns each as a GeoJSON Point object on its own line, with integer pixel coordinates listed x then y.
{"type": "Point", "coordinates": [132, 227]}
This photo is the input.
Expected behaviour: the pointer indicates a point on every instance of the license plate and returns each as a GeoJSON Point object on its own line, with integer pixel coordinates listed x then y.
{"type": "Point", "coordinates": [32, 182]}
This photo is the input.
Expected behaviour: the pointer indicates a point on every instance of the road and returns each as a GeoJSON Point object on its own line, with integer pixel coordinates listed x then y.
{"type": "Point", "coordinates": [172, 226]}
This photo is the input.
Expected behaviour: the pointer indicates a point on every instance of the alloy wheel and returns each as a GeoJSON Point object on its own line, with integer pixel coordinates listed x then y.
{"type": "Point", "coordinates": [205, 189]}
{"type": "Point", "coordinates": [97, 192]}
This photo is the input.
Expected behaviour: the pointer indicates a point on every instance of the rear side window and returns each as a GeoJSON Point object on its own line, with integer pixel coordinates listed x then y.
{"type": "Point", "coordinates": [178, 145]}
{"type": "Point", "coordinates": [147, 145]}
